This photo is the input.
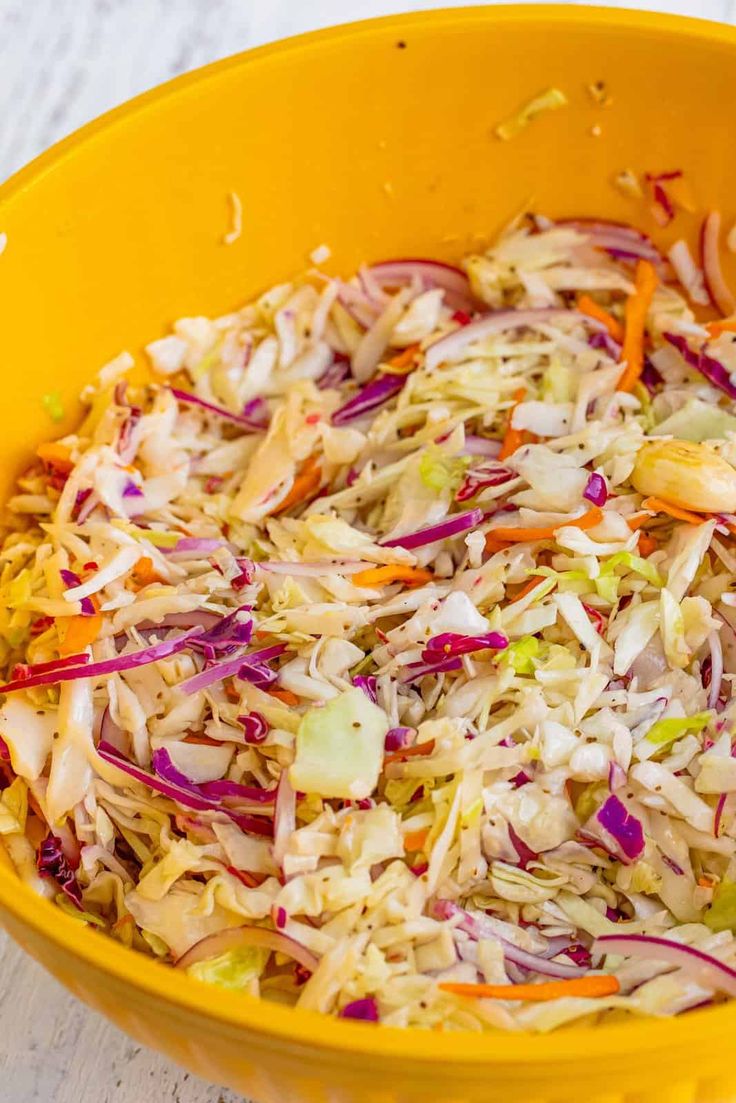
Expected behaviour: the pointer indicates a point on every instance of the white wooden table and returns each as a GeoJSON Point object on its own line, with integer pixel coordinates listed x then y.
{"type": "Point", "coordinates": [61, 63]}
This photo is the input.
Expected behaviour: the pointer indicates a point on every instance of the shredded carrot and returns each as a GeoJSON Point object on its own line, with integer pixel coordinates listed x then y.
{"type": "Point", "coordinates": [414, 840]}
{"type": "Point", "coordinates": [598, 985]}
{"type": "Point", "coordinates": [722, 325]}
{"type": "Point", "coordinates": [494, 545]}
{"type": "Point", "coordinates": [57, 456]}
{"type": "Point", "coordinates": [143, 574]}
{"type": "Point", "coordinates": [392, 572]}
{"type": "Point", "coordinates": [658, 506]}
{"type": "Point", "coordinates": [514, 438]}
{"type": "Point", "coordinates": [410, 752]}
{"type": "Point", "coordinates": [404, 361]}
{"type": "Point", "coordinates": [285, 696]}
{"type": "Point", "coordinates": [79, 632]}
{"type": "Point", "coordinates": [589, 306]}
{"type": "Point", "coordinates": [526, 588]}
{"type": "Point", "coordinates": [303, 487]}
{"type": "Point", "coordinates": [637, 521]}
{"type": "Point", "coordinates": [587, 520]}
{"type": "Point", "coordinates": [203, 740]}
{"type": "Point", "coordinates": [635, 313]}
{"type": "Point", "coordinates": [705, 883]}
{"type": "Point", "coordinates": [647, 544]}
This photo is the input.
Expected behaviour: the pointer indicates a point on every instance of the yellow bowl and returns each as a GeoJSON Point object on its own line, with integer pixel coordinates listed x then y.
{"type": "Point", "coordinates": [376, 139]}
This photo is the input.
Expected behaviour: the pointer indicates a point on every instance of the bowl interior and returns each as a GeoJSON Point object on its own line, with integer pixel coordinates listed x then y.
{"type": "Point", "coordinates": [377, 140]}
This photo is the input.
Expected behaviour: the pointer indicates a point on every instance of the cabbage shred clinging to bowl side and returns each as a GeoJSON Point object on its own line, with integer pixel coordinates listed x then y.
{"type": "Point", "coordinates": [377, 658]}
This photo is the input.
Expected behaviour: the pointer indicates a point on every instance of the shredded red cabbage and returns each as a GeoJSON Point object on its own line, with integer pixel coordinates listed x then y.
{"type": "Point", "coordinates": [368, 398]}
{"type": "Point", "coordinates": [452, 526]}
{"type": "Point", "coordinates": [51, 862]}
{"type": "Point", "coordinates": [414, 671]}
{"type": "Point", "coordinates": [367, 683]}
{"type": "Point", "coordinates": [238, 419]}
{"type": "Point", "coordinates": [398, 738]}
{"type": "Point", "coordinates": [712, 369]}
{"type": "Point", "coordinates": [249, 666]}
{"type": "Point", "coordinates": [108, 666]}
{"type": "Point", "coordinates": [482, 477]}
{"type": "Point", "coordinates": [453, 643]}
{"type": "Point", "coordinates": [622, 826]}
{"type": "Point", "coordinates": [596, 490]}
{"type": "Point", "coordinates": [255, 727]}
{"type": "Point", "coordinates": [365, 1010]}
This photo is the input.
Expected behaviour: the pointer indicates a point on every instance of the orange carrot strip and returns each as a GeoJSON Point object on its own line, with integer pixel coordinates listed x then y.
{"type": "Point", "coordinates": [635, 313]}
{"type": "Point", "coordinates": [403, 363]}
{"type": "Point", "coordinates": [409, 752]}
{"type": "Point", "coordinates": [514, 438]}
{"type": "Point", "coordinates": [679, 514]}
{"type": "Point", "coordinates": [587, 520]}
{"type": "Point", "coordinates": [284, 695]}
{"type": "Point", "coordinates": [723, 325]}
{"type": "Point", "coordinates": [392, 572]}
{"type": "Point", "coordinates": [589, 306]}
{"type": "Point", "coordinates": [304, 485]}
{"type": "Point", "coordinates": [414, 840]}
{"type": "Point", "coordinates": [599, 985]}
{"type": "Point", "coordinates": [143, 574]}
{"type": "Point", "coordinates": [56, 455]}
{"type": "Point", "coordinates": [79, 632]}
{"type": "Point", "coordinates": [493, 545]}
{"type": "Point", "coordinates": [647, 544]}
{"type": "Point", "coordinates": [637, 521]}
{"type": "Point", "coordinates": [526, 588]}
{"type": "Point", "coordinates": [202, 740]}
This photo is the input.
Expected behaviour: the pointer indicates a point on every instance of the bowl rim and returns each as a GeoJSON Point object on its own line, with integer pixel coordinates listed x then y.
{"type": "Point", "coordinates": [282, 1026]}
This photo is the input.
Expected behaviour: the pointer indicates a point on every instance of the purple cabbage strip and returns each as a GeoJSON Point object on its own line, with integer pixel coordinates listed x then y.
{"type": "Point", "coordinates": [232, 668]}
{"type": "Point", "coordinates": [186, 796]}
{"type": "Point", "coordinates": [368, 398]}
{"type": "Point", "coordinates": [596, 490]}
{"type": "Point", "coordinates": [108, 666]}
{"type": "Point", "coordinates": [255, 727]}
{"type": "Point", "coordinates": [238, 419]}
{"type": "Point", "coordinates": [397, 738]}
{"type": "Point", "coordinates": [367, 683]}
{"type": "Point", "coordinates": [452, 526]}
{"type": "Point", "coordinates": [415, 671]}
{"type": "Point", "coordinates": [164, 767]}
{"type": "Point", "coordinates": [480, 478]}
{"type": "Point", "coordinates": [365, 1010]}
{"type": "Point", "coordinates": [453, 643]}
{"type": "Point", "coordinates": [52, 862]}
{"type": "Point", "coordinates": [614, 817]}
{"type": "Point", "coordinates": [713, 370]}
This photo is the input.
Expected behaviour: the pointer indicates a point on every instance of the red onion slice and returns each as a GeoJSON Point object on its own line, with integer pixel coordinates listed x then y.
{"type": "Point", "coordinates": [715, 282]}
{"type": "Point", "coordinates": [222, 942]}
{"type": "Point", "coordinates": [477, 929]}
{"type": "Point", "coordinates": [716, 669]}
{"type": "Point", "coordinates": [705, 968]}
{"type": "Point", "coordinates": [454, 344]}
{"type": "Point", "coordinates": [429, 273]}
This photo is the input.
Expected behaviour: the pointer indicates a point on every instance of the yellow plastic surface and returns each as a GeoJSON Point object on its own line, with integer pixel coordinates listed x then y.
{"type": "Point", "coordinates": [376, 139]}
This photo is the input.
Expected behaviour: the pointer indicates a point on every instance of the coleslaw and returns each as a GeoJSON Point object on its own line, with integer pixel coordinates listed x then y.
{"type": "Point", "coordinates": [377, 657]}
